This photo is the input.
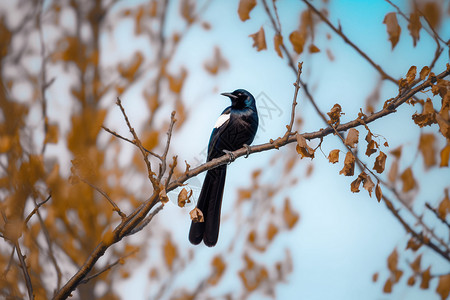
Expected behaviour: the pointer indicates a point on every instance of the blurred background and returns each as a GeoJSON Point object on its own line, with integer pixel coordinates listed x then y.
{"type": "Point", "coordinates": [291, 226]}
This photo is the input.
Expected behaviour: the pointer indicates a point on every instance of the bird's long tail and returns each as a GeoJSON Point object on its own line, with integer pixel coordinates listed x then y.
{"type": "Point", "coordinates": [210, 203]}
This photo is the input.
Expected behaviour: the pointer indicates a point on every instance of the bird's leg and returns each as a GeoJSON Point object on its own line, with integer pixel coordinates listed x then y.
{"type": "Point", "coordinates": [231, 156]}
{"type": "Point", "coordinates": [248, 150]}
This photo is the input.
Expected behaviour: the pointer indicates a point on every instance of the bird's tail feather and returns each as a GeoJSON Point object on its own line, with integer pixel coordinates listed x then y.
{"type": "Point", "coordinates": [210, 203]}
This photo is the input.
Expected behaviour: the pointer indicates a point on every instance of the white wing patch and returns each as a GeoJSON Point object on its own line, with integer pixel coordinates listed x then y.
{"type": "Point", "coordinates": [222, 119]}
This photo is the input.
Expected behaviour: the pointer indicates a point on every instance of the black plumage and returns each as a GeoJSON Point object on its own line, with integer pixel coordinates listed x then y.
{"type": "Point", "coordinates": [235, 128]}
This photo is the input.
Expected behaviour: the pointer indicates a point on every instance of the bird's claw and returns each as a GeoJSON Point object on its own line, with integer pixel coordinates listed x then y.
{"type": "Point", "coordinates": [248, 150]}
{"type": "Point", "coordinates": [231, 156]}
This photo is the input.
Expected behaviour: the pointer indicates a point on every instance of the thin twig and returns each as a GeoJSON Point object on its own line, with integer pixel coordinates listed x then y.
{"type": "Point", "coordinates": [24, 268]}
{"type": "Point", "coordinates": [146, 220]}
{"type": "Point", "coordinates": [108, 267]}
{"type": "Point", "coordinates": [435, 211]}
{"type": "Point", "coordinates": [166, 149]}
{"type": "Point", "coordinates": [104, 194]}
{"type": "Point", "coordinates": [130, 141]}
{"type": "Point", "coordinates": [294, 101]}
{"type": "Point", "coordinates": [36, 209]}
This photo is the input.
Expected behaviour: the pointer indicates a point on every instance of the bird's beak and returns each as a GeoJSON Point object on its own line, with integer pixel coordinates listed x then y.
{"type": "Point", "coordinates": [229, 95]}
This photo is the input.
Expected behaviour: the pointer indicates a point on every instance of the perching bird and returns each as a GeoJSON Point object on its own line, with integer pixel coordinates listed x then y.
{"type": "Point", "coordinates": [236, 127]}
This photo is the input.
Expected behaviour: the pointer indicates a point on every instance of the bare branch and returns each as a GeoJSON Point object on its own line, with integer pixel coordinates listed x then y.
{"type": "Point", "coordinates": [36, 209]}
{"type": "Point", "coordinates": [24, 268]}
{"type": "Point", "coordinates": [146, 220]}
{"type": "Point", "coordinates": [166, 149]}
{"type": "Point", "coordinates": [435, 211]}
{"type": "Point", "coordinates": [294, 101]}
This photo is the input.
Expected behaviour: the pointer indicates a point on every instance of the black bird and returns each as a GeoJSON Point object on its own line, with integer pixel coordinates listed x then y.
{"type": "Point", "coordinates": [236, 127]}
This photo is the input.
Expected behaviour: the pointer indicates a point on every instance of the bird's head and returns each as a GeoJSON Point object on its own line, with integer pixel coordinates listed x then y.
{"type": "Point", "coordinates": [241, 98]}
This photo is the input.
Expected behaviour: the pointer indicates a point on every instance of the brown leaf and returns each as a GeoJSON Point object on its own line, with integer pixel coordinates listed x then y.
{"type": "Point", "coordinates": [219, 268]}
{"type": "Point", "coordinates": [52, 133]}
{"type": "Point", "coordinates": [259, 40]}
{"type": "Point", "coordinates": [426, 147]}
{"type": "Point", "coordinates": [424, 72]}
{"type": "Point", "coordinates": [397, 152]}
{"type": "Point", "coordinates": [414, 26]}
{"type": "Point", "coordinates": [375, 277]}
{"type": "Point", "coordinates": [393, 260]}
{"type": "Point", "coordinates": [354, 186]}
{"type": "Point", "coordinates": [408, 180]}
{"type": "Point", "coordinates": [244, 9]}
{"type": "Point", "coordinates": [426, 276]}
{"type": "Point", "coordinates": [444, 206]}
{"type": "Point", "coordinates": [411, 75]}
{"type": "Point", "coordinates": [380, 163]}
{"type": "Point", "coordinates": [413, 244]}
{"type": "Point", "coordinates": [335, 115]}
{"type": "Point", "coordinates": [272, 231]}
{"type": "Point", "coordinates": [183, 197]}
{"type": "Point", "coordinates": [393, 172]}
{"type": "Point", "coordinates": [196, 215]}
{"type": "Point", "coordinates": [313, 49]}
{"type": "Point", "coordinates": [368, 184]}
{"type": "Point", "coordinates": [378, 192]}
{"type": "Point", "coordinates": [170, 252]}
{"type": "Point", "coordinates": [333, 157]}
{"type": "Point", "coordinates": [297, 40]}
{"type": "Point", "coordinates": [443, 288]}
{"type": "Point", "coordinates": [277, 43]}
{"type": "Point", "coordinates": [387, 286]}
{"type": "Point", "coordinates": [415, 265]}
{"type": "Point", "coordinates": [352, 138]}
{"type": "Point", "coordinates": [349, 165]}
{"type": "Point", "coordinates": [289, 215]}
{"type": "Point", "coordinates": [302, 147]}
{"type": "Point", "coordinates": [372, 146]}
{"type": "Point", "coordinates": [445, 156]}
{"type": "Point", "coordinates": [393, 29]}
{"type": "Point", "coordinates": [432, 11]}
{"type": "Point", "coordinates": [176, 83]}
{"type": "Point", "coordinates": [427, 117]}
{"type": "Point", "coordinates": [444, 126]}
{"type": "Point", "coordinates": [217, 63]}
{"type": "Point", "coordinates": [188, 10]}
{"type": "Point", "coordinates": [163, 196]}
{"type": "Point", "coordinates": [411, 280]}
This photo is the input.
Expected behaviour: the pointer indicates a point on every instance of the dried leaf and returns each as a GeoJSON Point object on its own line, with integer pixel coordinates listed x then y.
{"type": "Point", "coordinates": [443, 288]}
{"type": "Point", "coordinates": [411, 75]}
{"type": "Point", "coordinates": [445, 156]}
{"type": "Point", "coordinates": [313, 49]}
{"type": "Point", "coordinates": [393, 261]}
{"type": "Point", "coordinates": [272, 231]}
{"type": "Point", "coordinates": [333, 157]}
{"type": "Point", "coordinates": [432, 11]}
{"type": "Point", "coordinates": [219, 268]}
{"type": "Point", "coordinates": [335, 115]}
{"type": "Point", "coordinates": [444, 126]}
{"type": "Point", "coordinates": [372, 146]}
{"type": "Point", "coordinates": [259, 39]}
{"type": "Point", "coordinates": [380, 162]}
{"type": "Point", "coordinates": [297, 40]}
{"type": "Point", "coordinates": [378, 192]}
{"type": "Point", "coordinates": [414, 26]}
{"type": "Point", "coordinates": [393, 29]}
{"type": "Point", "coordinates": [244, 9]}
{"type": "Point", "coordinates": [426, 276]}
{"type": "Point", "coordinates": [170, 253]}
{"type": "Point", "coordinates": [415, 265]}
{"type": "Point", "coordinates": [183, 197]}
{"type": "Point", "coordinates": [428, 115]}
{"type": "Point", "coordinates": [408, 180]}
{"type": "Point", "coordinates": [289, 215]}
{"type": "Point", "coordinates": [444, 206]}
{"type": "Point", "coordinates": [217, 63]}
{"type": "Point", "coordinates": [375, 277]}
{"type": "Point", "coordinates": [352, 138]}
{"type": "Point", "coordinates": [413, 244]}
{"type": "Point", "coordinates": [368, 184]}
{"type": "Point", "coordinates": [163, 196]}
{"type": "Point", "coordinates": [349, 165]}
{"type": "Point", "coordinates": [387, 286]}
{"type": "Point", "coordinates": [196, 215]}
{"type": "Point", "coordinates": [51, 134]}
{"type": "Point", "coordinates": [411, 280]}
{"type": "Point", "coordinates": [424, 72]}
{"type": "Point", "coordinates": [426, 147]}
{"type": "Point", "coordinates": [354, 186]}
{"type": "Point", "coordinates": [302, 147]}
{"type": "Point", "coordinates": [277, 43]}
{"type": "Point", "coordinates": [188, 10]}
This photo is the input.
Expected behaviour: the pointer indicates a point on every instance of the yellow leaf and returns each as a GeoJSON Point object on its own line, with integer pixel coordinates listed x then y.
{"type": "Point", "coordinates": [259, 40]}
{"type": "Point", "coordinates": [244, 9]}
{"type": "Point", "coordinates": [349, 165]}
{"type": "Point", "coordinates": [333, 157]}
{"type": "Point", "coordinates": [380, 162]}
{"type": "Point", "coordinates": [393, 29]}
{"type": "Point", "coordinates": [352, 138]}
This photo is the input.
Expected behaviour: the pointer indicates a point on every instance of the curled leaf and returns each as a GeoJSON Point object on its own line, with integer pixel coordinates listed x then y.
{"type": "Point", "coordinates": [259, 39]}
{"type": "Point", "coordinates": [335, 115]}
{"type": "Point", "coordinates": [302, 147]}
{"type": "Point", "coordinates": [352, 138]}
{"type": "Point", "coordinates": [380, 162]}
{"type": "Point", "coordinates": [349, 165]}
{"type": "Point", "coordinates": [196, 215]}
{"type": "Point", "coordinates": [333, 157]}
{"type": "Point", "coordinates": [183, 197]}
